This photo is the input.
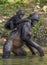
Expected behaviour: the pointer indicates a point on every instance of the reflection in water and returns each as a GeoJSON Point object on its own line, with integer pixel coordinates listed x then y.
{"type": "Point", "coordinates": [35, 60]}
{"type": "Point", "coordinates": [41, 59]}
{"type": "Point", "coordinates": [6, 62]}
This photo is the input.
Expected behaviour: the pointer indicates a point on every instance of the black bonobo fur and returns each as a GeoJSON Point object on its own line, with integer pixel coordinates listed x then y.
{"type": "Point", "coordinates": [22, 34]}
{"type": "Point", "coordinates": [12, 22]}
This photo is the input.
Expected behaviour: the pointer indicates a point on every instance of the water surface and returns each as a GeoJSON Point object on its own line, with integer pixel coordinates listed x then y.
{"type": "Point", "coordinates": [29, 60]}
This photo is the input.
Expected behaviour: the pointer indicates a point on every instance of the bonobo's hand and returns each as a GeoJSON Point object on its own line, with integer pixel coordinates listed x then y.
{"type": "Point", "coordinates": [14, 29]}
{"type": "Point", "coordinates": [30, 33]}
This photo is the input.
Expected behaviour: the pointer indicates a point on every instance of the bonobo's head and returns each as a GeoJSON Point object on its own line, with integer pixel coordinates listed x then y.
{"type": "Point", "coordinates": [20, 13]}
{"type": "Point", "coordinates": [34, 18]}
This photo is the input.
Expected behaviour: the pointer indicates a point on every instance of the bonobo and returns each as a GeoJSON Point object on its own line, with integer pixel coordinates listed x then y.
{"type": "Point", "coordinates": [22, 34]}
{"type": "Point", "coordinates": [12, 22]}
{"type": "Point", "coordinates": [32, 20]}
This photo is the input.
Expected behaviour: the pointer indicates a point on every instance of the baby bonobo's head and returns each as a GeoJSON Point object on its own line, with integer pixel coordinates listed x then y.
{"type": "Point", "coordinates": [20, 13]}
{"type": "Point", "coordinates": [34, 18]}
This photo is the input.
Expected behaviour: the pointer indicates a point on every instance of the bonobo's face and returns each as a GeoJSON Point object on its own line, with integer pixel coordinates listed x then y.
{"type": "Point", "coordinates": [21, 16]}
{"type": "Point", "coordinates": [34, 22]}
{"type": "Point", "coordinates": [20, 13]}
{"type": "Point", "coordinates": [34, 19]}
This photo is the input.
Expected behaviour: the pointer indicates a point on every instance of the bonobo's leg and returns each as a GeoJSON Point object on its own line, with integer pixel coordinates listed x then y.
{"type": "Point", "coordinates": [31, 49]}
{"type": "Point", "coordinates": [33, 44]}
{"type": "Point", "coordinates": [19, 52]}
{"type": "Point", "coordinates": [7, 49]}
{"type": "Point", "coordinates": [25, 37]}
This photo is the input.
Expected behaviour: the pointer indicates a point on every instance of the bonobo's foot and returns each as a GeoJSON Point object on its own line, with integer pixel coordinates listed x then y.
{"type": "Point", "coordinates": [33, 53]}
{"type": "Point", "coordinates": [6, 55]}
{"type": "Point", "coordinates": [41, 51]}
{"type": "Point", "coordinates": [20, 54]}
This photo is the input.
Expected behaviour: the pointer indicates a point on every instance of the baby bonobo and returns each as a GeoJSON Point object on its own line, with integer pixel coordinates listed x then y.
{"type": "Point", "coordinates": [12, 22]}
{"type": "Point", "coordinates": [23, 35]}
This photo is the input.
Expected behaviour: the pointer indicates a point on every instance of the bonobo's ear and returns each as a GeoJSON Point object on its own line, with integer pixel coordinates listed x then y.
{"type": "Point", "coordinates": [34, 16]}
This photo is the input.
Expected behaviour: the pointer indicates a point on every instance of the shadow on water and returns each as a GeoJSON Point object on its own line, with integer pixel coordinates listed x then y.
{"type": "Point", "coordinates": [29, 60]}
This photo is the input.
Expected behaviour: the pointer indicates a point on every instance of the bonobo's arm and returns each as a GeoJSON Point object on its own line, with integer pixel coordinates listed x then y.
{"type": "Point", "coordinates": [11, 20]}
{"type": "Point", "coordinates": [23, 21]}
{"type": "Point", "coordinates": [10, 23]}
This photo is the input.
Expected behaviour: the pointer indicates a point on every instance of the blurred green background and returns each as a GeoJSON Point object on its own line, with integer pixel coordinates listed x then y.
{"type": "Point", "coordinates": [9, 7]}
{"type": "Point", "coordinates": [39, 33]}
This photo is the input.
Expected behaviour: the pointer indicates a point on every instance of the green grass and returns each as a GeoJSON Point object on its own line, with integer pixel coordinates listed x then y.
{"type": "Point", "coordinates": [7, 9]}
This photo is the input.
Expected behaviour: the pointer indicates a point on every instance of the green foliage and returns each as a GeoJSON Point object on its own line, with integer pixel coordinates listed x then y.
{"type": "Point", "coordinates": [19, 3]}
{"type": "Point", "coordinates": [36, 28]}
{"type": "Point", "coordinates": [3, 1]}
{"type": "Point", "coordinates": [39, 32]}
{"type": "Point", "coordinates": [7, 9]}
{"type": "Point", "coordinates": [42, 2]}
{"type": "Point", "coordinates": [38, 25]}
{"type": "Point", "coordinates": [2, 29]}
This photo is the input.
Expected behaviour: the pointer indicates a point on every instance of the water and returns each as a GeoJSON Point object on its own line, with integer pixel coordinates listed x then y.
{"type": "Point", "coordinates": [29, 60]}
